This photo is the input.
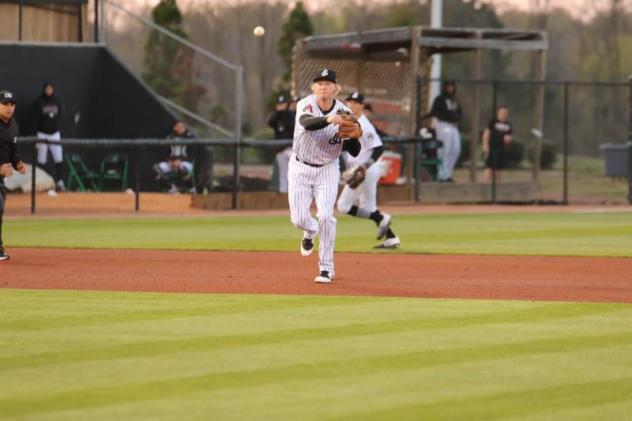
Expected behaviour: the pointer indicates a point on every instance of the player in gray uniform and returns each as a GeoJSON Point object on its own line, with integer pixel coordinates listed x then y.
{"type": "Point", "coordinates": [361, 201]}
{"type": "Point", "coordinates": [314, 170]}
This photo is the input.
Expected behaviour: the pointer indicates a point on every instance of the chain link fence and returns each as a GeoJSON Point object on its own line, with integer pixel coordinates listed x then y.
{"type": "Point", "coordinates": [580, 120]}
{"type": "Point", "coordinates": [387, 87]}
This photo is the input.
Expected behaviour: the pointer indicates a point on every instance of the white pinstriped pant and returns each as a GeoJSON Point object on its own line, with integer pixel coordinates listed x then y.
{"type": "Point", "coordinates": [305, 185]}
{"type": "Point", "coordinates": [365, 195]}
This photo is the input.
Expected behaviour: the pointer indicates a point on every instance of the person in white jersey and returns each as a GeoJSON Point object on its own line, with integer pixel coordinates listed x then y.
{"type": "Point", "coordinates": [361, 201]}
{"type": "Point", "coordinates": [314, 169]}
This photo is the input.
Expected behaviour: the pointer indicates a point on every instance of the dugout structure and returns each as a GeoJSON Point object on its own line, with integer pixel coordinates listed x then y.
{"type": "Point", "coordinates": [392, 67]}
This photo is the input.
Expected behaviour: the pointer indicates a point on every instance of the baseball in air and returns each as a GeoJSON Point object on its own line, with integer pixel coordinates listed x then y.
{"type": "Point", "coordinates": [259, 31]}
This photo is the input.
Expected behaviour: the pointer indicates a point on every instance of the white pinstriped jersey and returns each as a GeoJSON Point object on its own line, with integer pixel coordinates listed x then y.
{"type": "Point", "coordinates": [369, 140]}
{"type": "Point", "coordinates": [316, 146]}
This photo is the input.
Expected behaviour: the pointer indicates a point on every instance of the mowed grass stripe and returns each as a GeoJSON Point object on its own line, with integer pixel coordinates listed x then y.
{"type": "Point", "coordinates": [511, 404]}
{"type": "Point", "coordinates": [554, 233]}
{"type": "Point", "coordinates": [198, 343]}
{"type": "Point", "coordinates": [47, 321]}
{"type": "Point", "coordinates": [342, 367]}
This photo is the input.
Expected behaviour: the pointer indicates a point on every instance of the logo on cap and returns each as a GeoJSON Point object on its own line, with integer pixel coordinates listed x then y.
{"type": "Point", "coordinates": [325, 72]}
{"type": "Point", "coordinates": [355, 95]}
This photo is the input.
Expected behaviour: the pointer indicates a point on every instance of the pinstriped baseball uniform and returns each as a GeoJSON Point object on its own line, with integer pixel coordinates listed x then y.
{"type": "Point", "coordinates": [313, 175]}
{"type": "Point", "coordinates": [365, 195]}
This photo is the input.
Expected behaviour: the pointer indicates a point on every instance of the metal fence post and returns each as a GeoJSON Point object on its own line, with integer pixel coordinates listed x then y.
{"type": "Point", "coordinates": [418, 147]}
{"type": "Point", "coordinates": [565, 147]}
{"type": "Point", "coordinates": [238, 111]}
{"type": "Point", "coordinates": [137, 181]}
{"type": "Point", "coordinates": [96, 21]}
{"type": "Point", "coordinates": [493, 185]}
{"type": "Point", "coordinates": [630, 143]}
{"type": "Point", "coordinates": [20, 19]}
{"type": "Point", "coordinates": [33, 171]}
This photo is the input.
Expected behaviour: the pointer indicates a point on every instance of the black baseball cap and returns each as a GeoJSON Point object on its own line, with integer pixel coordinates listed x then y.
{"type": "Point", "coordinates": [325, 74]}
{"type": "Point", "coordinates": [6, 96]}
{"type": "Point", "coordinates": [281, 99]}
{"type": "Point", "coordinates": [355, 96]}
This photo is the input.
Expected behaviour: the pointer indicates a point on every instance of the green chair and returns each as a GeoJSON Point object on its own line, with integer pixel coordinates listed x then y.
{"type": "Point", "coordinates": [429, 159]}
{"type": "Point", "coordinates": [114, 169]}
{"type": "Point", "coordinates": [80, 175]}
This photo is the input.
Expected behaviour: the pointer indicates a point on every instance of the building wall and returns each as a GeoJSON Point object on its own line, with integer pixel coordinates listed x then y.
{"type": "Point", "coordinates": [46, 23]}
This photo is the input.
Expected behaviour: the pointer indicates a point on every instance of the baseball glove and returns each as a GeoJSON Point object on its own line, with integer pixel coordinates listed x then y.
{"type": "Point", "coordinates": [349, 128]}
{"type": "Point", "coordinates": [354, 176]}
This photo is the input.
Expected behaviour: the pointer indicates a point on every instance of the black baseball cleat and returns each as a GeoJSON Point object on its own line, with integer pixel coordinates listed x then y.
{"type": "Point", "coordinates": [3, 256]}
{"type": "Point", "coordinates": [324, 277]}
{"type": "Point", "coordinates": [307, 246]}
{"type": "Point", "coordinates": [383, 226]}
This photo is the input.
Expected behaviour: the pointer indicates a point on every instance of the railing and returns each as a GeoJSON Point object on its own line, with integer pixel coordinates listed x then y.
{"type": "Point", "coordinates": [143, 144]}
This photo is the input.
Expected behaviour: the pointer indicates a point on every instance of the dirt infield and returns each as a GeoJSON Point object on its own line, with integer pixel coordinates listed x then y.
{"type": "Point", "coordinates": [445, 276]}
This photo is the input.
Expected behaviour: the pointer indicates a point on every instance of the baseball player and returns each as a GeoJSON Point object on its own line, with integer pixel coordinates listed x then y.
{"type": "Point", "coordinates": [47, 111]}
{"type": "Point", "coordinates": [178, 161]}
{"type": "Point", "coordinates": [9, 158]}
{"type": "Point", "coordinates": [320, 136]}
{"type": "Point", "coordinates": [447, 110]}
{"type": "Point", "coordinates": [496, 136]}
{"type": "Point", "coordinates": [359, 196]}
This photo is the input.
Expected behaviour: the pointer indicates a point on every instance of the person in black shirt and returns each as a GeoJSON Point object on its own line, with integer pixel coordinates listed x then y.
{"type": "Point", "coordinates": [447, 110]}
{"type": "Point", "coordinates": [282, 121]}
{"type": "Point", "coordinates": [178, 168]}
{"type": "Point", "coordinates": [496, 136]}
{"type": "Point", "coordinates": [47, 111]}
{"type": "Point", "coordinates": [9, 159]}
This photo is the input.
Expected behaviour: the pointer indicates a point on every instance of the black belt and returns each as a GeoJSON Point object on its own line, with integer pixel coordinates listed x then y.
{"type": "Point", "coordinates": [310, 164]}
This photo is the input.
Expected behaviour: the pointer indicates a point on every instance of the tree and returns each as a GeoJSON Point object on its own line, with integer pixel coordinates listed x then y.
{"type": "Point", "coordinates": [169, 64]}
{"type": "Point", "coordinates": [297, 25]}
{"type": "Point", "coordinates": [472, 14]}
{"type": "Point", "coordinates": [406, 14]}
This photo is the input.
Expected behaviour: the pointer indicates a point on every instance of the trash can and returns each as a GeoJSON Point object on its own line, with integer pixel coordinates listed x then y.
{"type": "Point", "coordinates": [616, 159]}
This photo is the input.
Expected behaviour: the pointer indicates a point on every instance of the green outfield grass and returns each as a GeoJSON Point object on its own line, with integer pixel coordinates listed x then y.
{"type": "Point", "coordinates": [555, 233]}
{"type": "Point", "coordinates": [103, 356]}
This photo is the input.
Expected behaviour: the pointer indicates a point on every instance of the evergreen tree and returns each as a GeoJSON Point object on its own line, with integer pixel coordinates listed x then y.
{"type": "Point", "coordinates": [297, 25]}
{"type": "Point", "coordinates": [169, 64]}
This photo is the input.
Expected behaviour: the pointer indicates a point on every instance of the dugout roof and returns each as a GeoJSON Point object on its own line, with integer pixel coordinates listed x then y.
{"type": "Point", "coordinates": [392, 44]}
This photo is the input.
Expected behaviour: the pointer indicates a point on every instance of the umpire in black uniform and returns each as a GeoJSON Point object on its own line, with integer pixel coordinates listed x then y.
{"type": "Point", "coordinates": [9, 159]}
